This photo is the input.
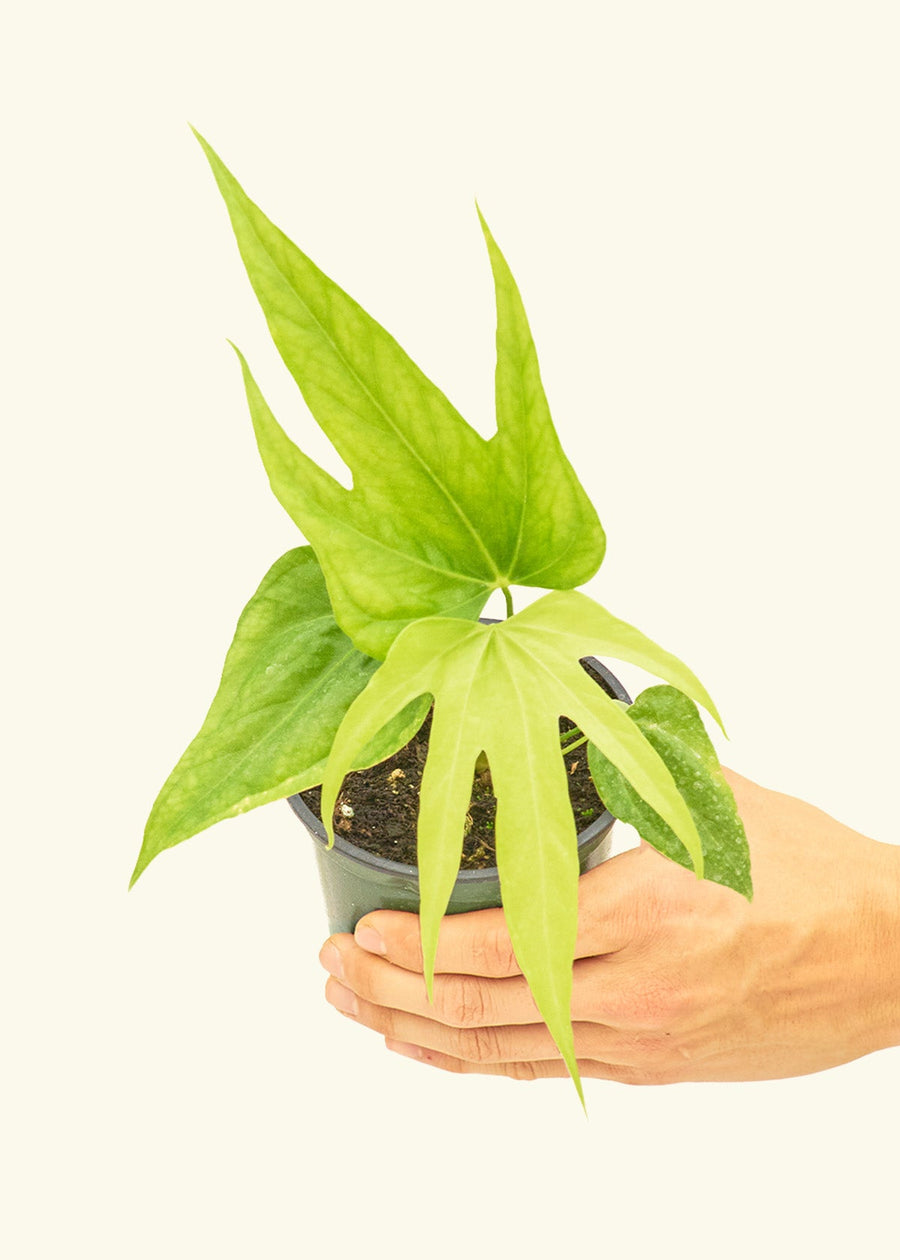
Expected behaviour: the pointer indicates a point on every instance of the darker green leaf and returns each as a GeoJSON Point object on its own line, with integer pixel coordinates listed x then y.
{"type": "Point", "coordinates": [670, 722]}
{"type": "Point", "coordinates": [289, 677]}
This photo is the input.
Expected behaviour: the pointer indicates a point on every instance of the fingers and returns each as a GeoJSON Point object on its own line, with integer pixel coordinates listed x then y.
{"type": "Point", "coordinates": [473, 944]}
{"type": "Point", "coordinates": [540, 1069]}
{"type": "Point", "coordinates": [607, 992]}
{"type": "Point", "coordinates": [478, 944]}
{"type": "Point", "coordinates": [460, 1001]}
{"type": "Point", "coordinates": [486, 1044]}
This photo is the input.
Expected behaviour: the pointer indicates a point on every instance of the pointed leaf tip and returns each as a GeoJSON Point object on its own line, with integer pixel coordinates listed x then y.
{"type": "Point", "coordinates": [475, 499]}
{"type": "Point", "coordinates": [204, 144]}
{"type": "Point", "coordinates": [271, 724]}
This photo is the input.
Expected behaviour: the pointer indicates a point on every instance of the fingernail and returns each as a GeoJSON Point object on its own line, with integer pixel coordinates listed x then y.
{"type": "Point", "coordinates": [330, 958]}
{"type": "Point", "coordinates": [404, 1048]}
{"type": "Point", "coordinates": [343, 999]}
{"type": "Point", "coordinates": [369, 940]}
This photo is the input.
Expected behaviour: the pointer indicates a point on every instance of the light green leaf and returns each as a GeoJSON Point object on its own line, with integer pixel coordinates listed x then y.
{"type": "Point", "coordinates": [549, 547]}
{"type": "Point", "coordinates": [438, 517]}
{"type": "Point", "coordinates": [578, 621]}
{"type": "Point", "coordinates": [289, 678]}
{"type": "Point", "coordinates": [501, 689]}
{"type": "Point", "coordinates": [673, 726]}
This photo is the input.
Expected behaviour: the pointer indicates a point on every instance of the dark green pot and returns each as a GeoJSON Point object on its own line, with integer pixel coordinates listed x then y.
{"type": "Point", "coordinates": [355, 882]}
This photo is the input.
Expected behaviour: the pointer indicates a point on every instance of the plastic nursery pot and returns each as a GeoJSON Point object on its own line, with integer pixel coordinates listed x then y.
{"type": "Point", "coordinates": [355, 882]}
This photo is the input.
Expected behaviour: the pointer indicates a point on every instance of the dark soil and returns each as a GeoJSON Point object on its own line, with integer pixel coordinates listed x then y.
{"type": "Point", "coordinates": [377, 808]}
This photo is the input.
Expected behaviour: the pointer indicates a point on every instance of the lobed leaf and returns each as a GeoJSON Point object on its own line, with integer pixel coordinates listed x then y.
{"type": "Point", "coordinates": [549, 545]}
{"type": "Point", "coordinates": [288, 680]}
{"type": "Point", "coordinates": [501, 689]}
{"type": "Point", "coordinates": [671, 723]}
{"type": "Point", "coordinates": [579, 622]}
{"type": "Point", "coordinates": [438, 517]}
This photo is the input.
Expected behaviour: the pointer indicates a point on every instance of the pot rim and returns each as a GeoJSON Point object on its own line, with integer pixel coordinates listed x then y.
{"type": "Point", "coordinates": [611, 685]}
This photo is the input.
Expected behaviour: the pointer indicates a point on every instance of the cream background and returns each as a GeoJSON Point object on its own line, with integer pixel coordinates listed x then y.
{"type": "Point", "coordinates": [700, 202]}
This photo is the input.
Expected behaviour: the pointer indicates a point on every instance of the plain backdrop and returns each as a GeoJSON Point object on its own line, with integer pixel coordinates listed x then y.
{"type": "Point", "coordinates": [700, 202]}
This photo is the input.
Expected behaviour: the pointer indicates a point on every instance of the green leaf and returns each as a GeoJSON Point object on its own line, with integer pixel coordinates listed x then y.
{"type": "Point", "coordinates": [549, 545]}
{"type": "Point", "coordinates": [438, 516]}
{"type": "Point", "coordinates": [501, 689]}
{"type": "Point", "coordinates": [289, 678]}
{"type": "Point", "coordinates": [671, 723]}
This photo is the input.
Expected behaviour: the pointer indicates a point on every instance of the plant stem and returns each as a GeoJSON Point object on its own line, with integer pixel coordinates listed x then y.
{"type": "Point", "coordinates": [508, 597]}
{"type": "Point", "coordinates": [567, 748]}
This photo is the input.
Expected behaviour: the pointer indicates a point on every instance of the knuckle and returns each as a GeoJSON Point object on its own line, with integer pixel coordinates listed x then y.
{"type": "Point", "coordinates": [478, 1045]}
{"type": "Point", "coordinates": [357, 973]}
{"type": "Point", "coordinates": [408, 945]}
{"type": "Point", "coordinates": [460, 1002]}
{"type": "Point", "coordinates": [521, 1070]}
{"type": "Point", "coordinates": [494, 955]}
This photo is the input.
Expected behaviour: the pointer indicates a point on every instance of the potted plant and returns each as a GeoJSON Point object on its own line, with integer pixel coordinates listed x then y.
{"type": "Point", "coordinates": [370, 861]}
{"type": "Point", "coordinates": [350, 641]}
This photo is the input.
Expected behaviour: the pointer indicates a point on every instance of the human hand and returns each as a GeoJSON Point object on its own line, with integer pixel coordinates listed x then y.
{"type": "Point", "coordinates": [675, 979]}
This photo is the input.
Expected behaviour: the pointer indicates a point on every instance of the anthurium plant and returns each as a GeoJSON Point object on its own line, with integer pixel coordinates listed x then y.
{"type": "Point", "coordinates": [349, 641]}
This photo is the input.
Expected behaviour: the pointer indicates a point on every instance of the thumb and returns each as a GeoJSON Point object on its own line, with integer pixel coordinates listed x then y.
{"type": "Point", "coordinates": [474, 944]}
{"type": "Point", "coordinates": [477, 943]}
